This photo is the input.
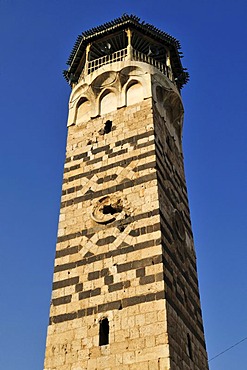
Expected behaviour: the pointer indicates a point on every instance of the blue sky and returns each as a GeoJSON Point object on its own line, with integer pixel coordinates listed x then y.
{"type": "Point", "coordinates": [36, 40]}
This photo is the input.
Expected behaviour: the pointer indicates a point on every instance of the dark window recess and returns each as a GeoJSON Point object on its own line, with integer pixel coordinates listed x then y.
{"type": "Point", "coordinates": [107, 128]}
{"type": "Point", "coordinates": [104, 332]}
{"type": "Point", "coordinates": [169, 142]}
{"type": "Point", "coordinates": [189, 347]}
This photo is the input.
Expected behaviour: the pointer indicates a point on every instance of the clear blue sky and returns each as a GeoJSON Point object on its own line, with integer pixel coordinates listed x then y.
{"type": "Point", "coordinates": [36, 40]}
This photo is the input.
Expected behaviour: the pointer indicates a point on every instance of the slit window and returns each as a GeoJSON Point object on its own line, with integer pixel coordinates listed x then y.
{"type": "Point", "coordinates": [104, 332]}
{"type": "Point", "coordinates": [189, 347]}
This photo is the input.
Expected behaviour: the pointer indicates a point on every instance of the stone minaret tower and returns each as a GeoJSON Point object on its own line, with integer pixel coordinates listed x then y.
{"type": "Point", "coordinates": [125, 289]}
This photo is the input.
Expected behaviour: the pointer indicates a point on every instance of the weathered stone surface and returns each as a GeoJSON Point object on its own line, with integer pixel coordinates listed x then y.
{"type": "Point", "coordinates": [125, 247]}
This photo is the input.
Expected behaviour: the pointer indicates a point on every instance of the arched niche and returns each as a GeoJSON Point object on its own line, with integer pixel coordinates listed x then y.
{"type": "Point", "coordinates": [159, 97]}
{"type": "Point", "coordinates": [134, 93]}
{"type": "Point", "coordinates": [83, 113]}
{"type": "Point", "coordinates": [169, 114]}
{"type": "Point", "coordinates": [160, 94]}
{"type": "Point", "coordinates": [108, 102]}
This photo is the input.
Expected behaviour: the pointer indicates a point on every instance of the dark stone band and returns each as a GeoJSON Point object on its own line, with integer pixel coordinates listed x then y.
{"type": "Point", "coordinates": [123, 250]}
{"type": "Point", "coordinates": [114, 305]}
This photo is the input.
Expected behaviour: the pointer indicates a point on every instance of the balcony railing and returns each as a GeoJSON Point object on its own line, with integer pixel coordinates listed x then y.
{"type": "Point", "coordinates": [122, 55]}
{"type": "Point", "coordinates": [140, 57]}
{"type": "Point", "coordinates": [114, 57]}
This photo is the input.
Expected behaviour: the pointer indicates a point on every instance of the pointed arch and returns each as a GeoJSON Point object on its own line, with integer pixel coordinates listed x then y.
{"type": "Point", "coordinates": [107, 101]}
{"type": "Point", "coordinates": [83, 110]}
{"type": "Point", "coordinates": [134, 92]}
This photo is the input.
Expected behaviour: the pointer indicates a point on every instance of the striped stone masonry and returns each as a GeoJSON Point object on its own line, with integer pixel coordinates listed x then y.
{"type": "Point", "coordinates": [124, 248]}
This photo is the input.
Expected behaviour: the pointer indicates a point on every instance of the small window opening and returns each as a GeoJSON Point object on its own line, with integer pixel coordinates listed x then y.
{"type": "Point", "coordinates": [104, 332]}
{"type": "Point", "coordinates": [110, 210]}
{"type": "Point", "coordinates": [189, 347]}
{"type": "Point", "coordinates": [107, 128]}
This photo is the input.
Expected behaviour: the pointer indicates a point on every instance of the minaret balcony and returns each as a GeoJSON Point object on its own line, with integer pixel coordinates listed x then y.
{"type": "Point", "coordinates": [125, 55]}
{"type": "Point", "coordinates": [126, 40]}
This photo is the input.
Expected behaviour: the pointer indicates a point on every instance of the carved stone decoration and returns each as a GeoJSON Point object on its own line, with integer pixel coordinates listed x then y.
{"type": "Point", "coordinates": [109, 209]}
{"type": "Point", "coordinates": [107, 79]}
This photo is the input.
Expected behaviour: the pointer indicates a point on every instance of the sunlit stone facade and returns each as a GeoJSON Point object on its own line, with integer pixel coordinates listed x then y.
{"type": "Point", "coordinates": [125, 290]}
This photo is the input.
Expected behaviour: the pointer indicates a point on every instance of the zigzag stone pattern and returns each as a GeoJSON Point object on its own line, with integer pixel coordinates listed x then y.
{"type": "Point", "coordinates": [116, 166]}
{"type": "Point", "coordinates": [125, 246]}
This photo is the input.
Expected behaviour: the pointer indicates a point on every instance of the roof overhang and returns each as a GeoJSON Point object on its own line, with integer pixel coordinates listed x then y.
{"type": "Point", "coordinates": [124, 22]}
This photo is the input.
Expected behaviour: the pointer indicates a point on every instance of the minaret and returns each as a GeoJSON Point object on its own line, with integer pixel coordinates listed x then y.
{"type": "Point", "coordinates": [125, 289]}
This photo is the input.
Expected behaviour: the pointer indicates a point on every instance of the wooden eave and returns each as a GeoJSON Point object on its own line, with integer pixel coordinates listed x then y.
{"type": "Point", "coordinates": [122, 23]}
